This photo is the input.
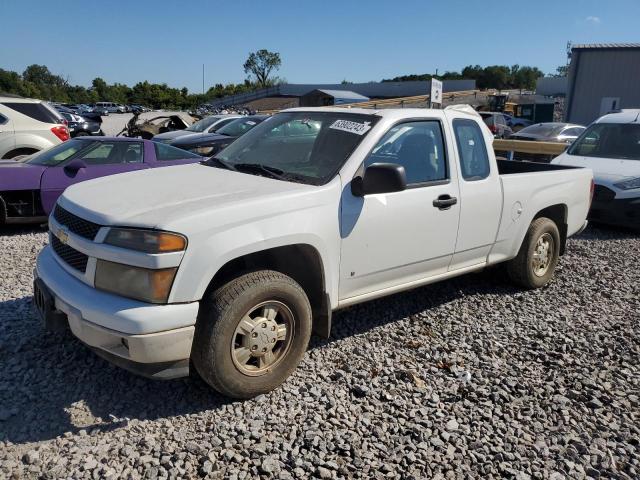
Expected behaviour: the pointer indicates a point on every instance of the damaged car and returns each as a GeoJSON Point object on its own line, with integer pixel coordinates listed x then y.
{"type": "Point", "coordinates": [148, 128]}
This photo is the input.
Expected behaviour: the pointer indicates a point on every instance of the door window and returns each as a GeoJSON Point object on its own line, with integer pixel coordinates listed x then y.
{"type": "Point", "coordinates": [474, 160]}
{"type": "Point", "coordinates": [418, 147]}
{"type": "Point", "coordinates": [107, 153]}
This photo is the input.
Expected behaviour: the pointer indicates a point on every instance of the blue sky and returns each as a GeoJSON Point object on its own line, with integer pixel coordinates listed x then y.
{"type": "Point", "coordinates": [321, 41]}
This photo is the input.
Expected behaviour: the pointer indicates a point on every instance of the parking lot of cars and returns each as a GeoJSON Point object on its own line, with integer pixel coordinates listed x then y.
{"type": "Point", "coordinates": [472, 372]}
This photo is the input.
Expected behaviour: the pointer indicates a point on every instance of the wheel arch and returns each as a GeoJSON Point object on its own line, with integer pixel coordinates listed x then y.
{"type": "Point", "coordinates": [302, 262]}
{"type": "Point", "coordinates": [558, 214]}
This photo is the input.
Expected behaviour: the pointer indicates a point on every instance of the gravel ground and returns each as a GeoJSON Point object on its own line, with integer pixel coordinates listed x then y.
{"type": "Point", "coordinates": [467, 378]}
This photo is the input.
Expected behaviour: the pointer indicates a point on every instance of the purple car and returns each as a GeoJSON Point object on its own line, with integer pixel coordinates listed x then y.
{"type": "Point", "coordinates": [30, 188]}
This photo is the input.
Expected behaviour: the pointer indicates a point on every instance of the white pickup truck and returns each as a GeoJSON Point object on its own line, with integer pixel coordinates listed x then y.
{"type": "Point", "coordinates": [228, 266]}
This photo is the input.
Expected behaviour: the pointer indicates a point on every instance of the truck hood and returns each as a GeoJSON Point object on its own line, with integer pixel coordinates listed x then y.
{"type": "Point", "coordinates": [181, 197]}
{"type": "Point", "coordinates": [19, 175]}
{"type": "Point", "coordinates": [605, 170]}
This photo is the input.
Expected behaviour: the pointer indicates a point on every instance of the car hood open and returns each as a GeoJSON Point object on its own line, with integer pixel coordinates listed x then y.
{"type": "Point", "coordinates": [19, 175]}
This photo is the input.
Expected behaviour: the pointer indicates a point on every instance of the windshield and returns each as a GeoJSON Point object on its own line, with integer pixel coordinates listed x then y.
{"type": "Point", "coordinates": [58, 154]}
{"type": "Point", "coordinates": [543, 129]}
{"type": "Point", "coordinates": [309, 147]}
{"type": "Point", "coordinates": [609, 140]}
{"type": "Point", "coordinates": [201, 125]}
{"type": "Point", "coordinates": [239, 127]}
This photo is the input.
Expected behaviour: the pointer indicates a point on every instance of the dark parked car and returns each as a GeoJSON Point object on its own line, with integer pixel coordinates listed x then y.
{"type": "Point", "coordinates": [29, 188]}
{"type": "Point", "coordinates": [80, 125]}
{"type": "Point", "coordinates": [550, 132]}
{"type": "Point", "coordinates": [209, 144]}
{"type": "Point", "coordinates": [497, 123]}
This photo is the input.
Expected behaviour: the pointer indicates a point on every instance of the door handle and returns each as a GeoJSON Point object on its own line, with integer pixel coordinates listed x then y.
{"type": "Point", "coordinates": [445, 202]}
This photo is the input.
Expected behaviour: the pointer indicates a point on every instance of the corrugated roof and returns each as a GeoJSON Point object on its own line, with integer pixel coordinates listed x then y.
{"type": "Point", "coordinates": [594, 46]}
{"type": "Point", "coordinates": [348, 94]}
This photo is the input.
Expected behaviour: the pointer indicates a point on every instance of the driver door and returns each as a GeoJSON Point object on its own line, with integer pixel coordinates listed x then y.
{"type": "Point", "coordinates": [102, 159]}
{"type": "Point", "coordinates": [398, 238]}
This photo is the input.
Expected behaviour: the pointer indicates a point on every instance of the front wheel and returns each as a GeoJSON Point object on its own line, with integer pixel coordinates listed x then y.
{"type": "Point", "coordinates": [251, 333]}
{"type": "Point", "coordinates": [538, 257]}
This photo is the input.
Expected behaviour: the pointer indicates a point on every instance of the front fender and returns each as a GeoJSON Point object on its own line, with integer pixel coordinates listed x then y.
{"type": "Point", "coordinates": [206, 255]}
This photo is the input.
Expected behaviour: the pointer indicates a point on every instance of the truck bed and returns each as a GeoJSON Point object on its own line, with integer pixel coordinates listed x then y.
{"type": "Point", "coordinates": [510, 167]}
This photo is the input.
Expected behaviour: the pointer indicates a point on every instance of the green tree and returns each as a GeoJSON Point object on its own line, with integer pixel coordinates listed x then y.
{"type": "Point", "coordinates": [100, 87]}
{"type": "Point", "coordinates": [260, 64]}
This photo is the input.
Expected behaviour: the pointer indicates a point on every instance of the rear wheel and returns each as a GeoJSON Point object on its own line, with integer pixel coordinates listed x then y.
{"type": "Point", "coordinates": [538, 257]}
{"type": "Point", "coordinates": [252, 333]}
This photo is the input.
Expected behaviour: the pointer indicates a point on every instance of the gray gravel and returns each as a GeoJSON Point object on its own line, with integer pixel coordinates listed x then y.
{"type": "Point", "coordinates": [467, 378]}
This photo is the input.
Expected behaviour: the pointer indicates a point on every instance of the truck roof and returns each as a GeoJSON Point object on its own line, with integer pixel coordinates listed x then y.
{"type": "Point", "coordinates": [398, 113]}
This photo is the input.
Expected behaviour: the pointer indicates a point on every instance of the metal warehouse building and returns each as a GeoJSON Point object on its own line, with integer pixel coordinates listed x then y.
{"type": "Point", "coordinates": [323, 98]}
{"type": "Point", "coordinates": [602, 77]}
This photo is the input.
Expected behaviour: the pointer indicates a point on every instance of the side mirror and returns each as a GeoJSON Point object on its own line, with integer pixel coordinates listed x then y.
{"type": "Point", "coordinates": [380, 178]}
{"type": "Point", "coordinates": [74, 166]}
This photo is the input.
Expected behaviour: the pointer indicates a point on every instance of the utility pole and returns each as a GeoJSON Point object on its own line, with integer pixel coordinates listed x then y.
{"type": "Point", "coordinates": [203, 80]}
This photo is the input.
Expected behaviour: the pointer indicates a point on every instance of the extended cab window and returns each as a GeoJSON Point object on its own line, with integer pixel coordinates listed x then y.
{"type": "Point", "coordinates": [418, 147]}
{"type": "Point", "coordinates": [472, 149]}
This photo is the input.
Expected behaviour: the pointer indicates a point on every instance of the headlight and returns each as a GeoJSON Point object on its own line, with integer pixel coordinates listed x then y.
{"type": "Point", "coordinates": [628, 184]}
{"type": "Point", "coordinates": [147, 241]}
{"type": "Point", "coordinates": [152, 286]}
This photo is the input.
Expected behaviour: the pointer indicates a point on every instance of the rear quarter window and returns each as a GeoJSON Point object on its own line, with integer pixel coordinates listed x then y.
{"type": "Point", "coordinates": [472, 150]}
{"type": "Point", "coordinates": [37, 111]}
{"type": "Point", "coordinates": [166, 152]}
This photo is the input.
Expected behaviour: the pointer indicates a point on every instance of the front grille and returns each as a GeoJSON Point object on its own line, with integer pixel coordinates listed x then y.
{"type": "Point", "coordinates": [75, 224]}
{"type": "Point", "coordinates": [603, 194]}
{"type": "Point", "coordinates": [71, 256]}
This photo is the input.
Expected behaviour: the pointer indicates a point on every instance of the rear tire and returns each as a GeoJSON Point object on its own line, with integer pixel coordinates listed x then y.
{"type": "Point", "coordinates": [538, 257]}
{"type": "Point", "coordinates": [251, 333]}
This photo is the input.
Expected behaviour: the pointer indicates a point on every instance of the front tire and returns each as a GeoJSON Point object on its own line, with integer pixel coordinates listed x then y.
{"type": "Point", "coordinates": [538, 257]}
{"type": "Point", "coordinates": [251, 333]}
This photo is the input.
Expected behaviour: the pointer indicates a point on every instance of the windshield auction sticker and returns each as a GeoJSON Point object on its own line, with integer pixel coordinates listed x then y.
{"type": "Point", "coordinates": [351, 127]}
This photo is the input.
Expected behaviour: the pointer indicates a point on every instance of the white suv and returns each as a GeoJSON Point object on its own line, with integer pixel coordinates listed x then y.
{"type": "Point", "coordinates": [28, 126]}
{"type": "Point", "coordinates": [610, 147]}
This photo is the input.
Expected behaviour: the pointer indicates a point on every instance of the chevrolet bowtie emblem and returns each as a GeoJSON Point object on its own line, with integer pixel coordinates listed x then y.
{"type": "Point", "coordinates": [63, 236]}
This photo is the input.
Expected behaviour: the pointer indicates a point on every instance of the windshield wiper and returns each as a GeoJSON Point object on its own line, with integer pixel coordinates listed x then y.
{"type": "Point", "coordinates": [272, 172]}
{"type": "Point", "coordinates": [215, 161]}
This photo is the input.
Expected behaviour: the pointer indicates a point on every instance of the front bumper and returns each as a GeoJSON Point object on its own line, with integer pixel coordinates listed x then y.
{"type": "Point", "coordinates": [621, 212]}
{"type": "Point", "coordinates": [119, 329]}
